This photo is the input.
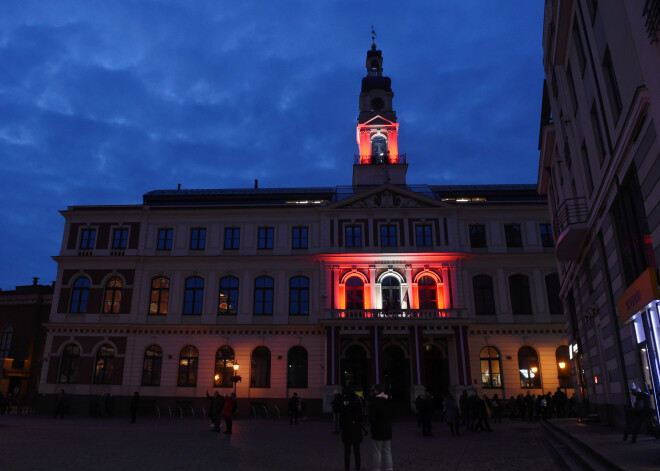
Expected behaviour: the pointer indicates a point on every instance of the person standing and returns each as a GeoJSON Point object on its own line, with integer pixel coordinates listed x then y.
{"type": "Point", "coordinates": [293, 409]}
{"type": "Point", "coordinates": [452, 415]}
{"type": "Point", "coordinates": [228, 412]}
{"type": "Point", "coordinates": [60, 405]}
{"type": "Point", "coordinates": [350, 419]}
{"type": "Point", "coordinates": [216, 410]}
{"type": "Point", "coordinates": [380, 418]}
{"type": "Point", "coordinates": [135, 404]}
{"type": "Point", "coordinates": [336, 408]}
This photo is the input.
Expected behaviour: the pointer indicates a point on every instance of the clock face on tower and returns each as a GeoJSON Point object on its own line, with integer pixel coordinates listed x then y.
{"type": "Point", "coordinates": [377, 103]}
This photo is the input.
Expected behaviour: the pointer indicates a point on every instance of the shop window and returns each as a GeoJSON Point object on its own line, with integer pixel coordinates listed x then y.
{"type": "Point", "coordinates": [484, 296]}
{"type": "Point", "coordinates": [528, 366]}
{"type": "Point", "coordinates": [112, 296]}
{"type": "Point", "coordinates": [224, 367]}
{"type": "Point", "coordinates": [228, 295]}
{"type": "Point", "coordinates": [69, 364]}
{"type": "Point", "coordinates": [299, 296]}
{"type": "Point", "coordinates": [521, 300]}
{"type": "Point", "coordinates": [428, 293]}
{"type": "Point", "coordinates": [104, 366]}
{"type": "Point", "coordinates": [260, 363]}
{"type": "Point", "coordinates": [188, 361]}
{"type": "Point", "coordinates": [160, 293]}
{"type": "Point", "coordinates": [296, 376]}
{"type": "Point", "coordinates": [354, 293]}
{"type": "Point", "coordinates": [491, 368]}
{"type": "Point", "coordinates": [79, 296]}
{"type": "Point", "coordinates": [152, 366]}
{"type": "Point", "coordinates": [193, 296]}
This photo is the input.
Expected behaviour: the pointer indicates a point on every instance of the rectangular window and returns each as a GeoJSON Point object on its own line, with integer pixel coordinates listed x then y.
{"type": "Point", "coordinates": [353, 236]}
{"type": "Point", "coordinates": [579, 48]}
{"type": "Point", "coordinates": [299, 238]}
{"type": "Point", "coordinates": [232, 238]}
{"type": "Point", "coordinates": [388, 235]}
{"type": "Point", "coordinates": [612, 86]}
{"type": "Point", "coordinates": [513, 235]}
{"type": "Point", "coordinates": [423, 235]}
{"type": "Point", "coordinates": [598, 135]}
{"type": "Point", "coordinates": [165, 239]}
{"type": "Point", "coordinates": [266, 235]}
{"type": "Point", "coordinates": [546, 235]}
{"type": "Point", "coordinates": [87, 238]}
{"type": "Point", "coordinates": [198, 238]}
{"type": "Point", "coordinates": [477, 236]}
{"type": "Point", "coordinates": [119, 238]}
{"type": "Point", "coordinates": [571, 86]}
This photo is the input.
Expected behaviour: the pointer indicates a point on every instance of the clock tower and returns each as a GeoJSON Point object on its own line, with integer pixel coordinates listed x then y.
{"type": "Point", "coordinates": [378, 160]}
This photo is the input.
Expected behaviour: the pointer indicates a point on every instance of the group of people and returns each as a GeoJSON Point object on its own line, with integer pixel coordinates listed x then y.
{"type": "Point", "coordinates": [222, 407]}
{"type": "Point", "coordinates": [352, 414]}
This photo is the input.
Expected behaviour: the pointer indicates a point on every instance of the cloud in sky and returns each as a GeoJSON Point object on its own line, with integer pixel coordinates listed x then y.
{"type": "Point", "coordinates": [104, 101]}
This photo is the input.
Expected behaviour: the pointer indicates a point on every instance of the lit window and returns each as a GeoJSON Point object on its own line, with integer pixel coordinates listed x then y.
{"type": "Point", "coordinates": [152, 366]}
{"type": "Point", "coordinates": [103, 369]}
{"type": "Point", "coordinates": [491, 368]}
{"type": "Point", "coordinates": [354, 293]}
{"type": "Point", "coordinates": [528, 365]}
{"type": "Point", "coordinates": [160, 293]}
{"type": "Point", "coordinates": [224, 367]}
{"type": "Point", "coordinates": [188, 361]}
{"type": "Point", "coordinates": [112, 297]}
{"type": "Point", "coordinates": [228, 296]}
{"type": "Point", "coordinates": [428, 293]}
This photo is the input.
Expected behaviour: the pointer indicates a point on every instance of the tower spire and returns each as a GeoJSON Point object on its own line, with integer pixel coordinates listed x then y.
{"type": "Point", "coordinates": [373, 38]}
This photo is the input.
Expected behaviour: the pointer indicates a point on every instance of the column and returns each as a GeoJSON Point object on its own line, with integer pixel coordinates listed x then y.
{"type": "Point", "coordinates": [372, 289]}
{"type": "Point", "coordinates": [408, 295]}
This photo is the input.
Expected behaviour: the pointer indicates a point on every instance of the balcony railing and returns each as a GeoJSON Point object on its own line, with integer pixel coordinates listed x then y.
{"type": "Point", "coordinates": [570, 227]}
{"type": "Point", "coordinates": [399, 159]}
{"type": "Point", "coordinates": [426, 314]}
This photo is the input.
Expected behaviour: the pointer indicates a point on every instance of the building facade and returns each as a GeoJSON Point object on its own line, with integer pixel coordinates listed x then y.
{"type": "Point", "coordinates": [23, 313]}
{"type": "Point", "coordinates": [307, 290]}
{"type": "Point", "coordinates": [599, 167]}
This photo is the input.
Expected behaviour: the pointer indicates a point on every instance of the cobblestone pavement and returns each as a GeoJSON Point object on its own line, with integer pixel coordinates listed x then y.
{"type": "Point", "coordinates": [34, 443]}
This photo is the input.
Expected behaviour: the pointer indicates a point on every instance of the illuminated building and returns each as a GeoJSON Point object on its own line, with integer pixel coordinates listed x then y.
{"type": "Point", "coordinates": [600, 170]}
{"type": "Point", "coordinates": [308, 289]}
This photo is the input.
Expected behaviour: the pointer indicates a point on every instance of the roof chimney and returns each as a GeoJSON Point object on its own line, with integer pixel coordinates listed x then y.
{"type": "Point", "coordinates": [35, 280]}
{"type": "Point", "coordinates": [256, 183]}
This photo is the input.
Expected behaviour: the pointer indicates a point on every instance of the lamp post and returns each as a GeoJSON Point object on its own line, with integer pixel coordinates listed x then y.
{"type": "Point", "coordinates": [562, 377]}
{"type": "Point", "coordinates": [235, 379]}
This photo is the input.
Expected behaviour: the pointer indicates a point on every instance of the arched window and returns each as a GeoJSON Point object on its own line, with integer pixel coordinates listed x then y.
{"type": "Point", "coordinates": [79, 295]}
{"type": "Point", "coordinates": [105, 359]}
{"type": "Point", "coordinates": [160, 294]}
{"type": "Point", "coordinates": [528, 365]}
{"type": "Point", "coordinates": [228, 296]}
{"type": "Point", "coordinates": [152, 366]}
{"type": "Point", "coordinates": [5, 342]}
{"type": "Point", "coordinates": [299, 296]}
{"type": "Point", "coordinates": [564, 369]}
{"type": "Point", "coordinates": [484, 297]}
{"type": "Point", "coordinates": [428, 293]}
{"type": "Point", "coordinates": [296, 372]}
{"type": "Point", "coordinates": [391, 293]}
{"type": "Point", "coordinates": [521, 300]}
{"type": "Point", "coordinates": [354, 293]}
{"type": "Point", "coordinates": [188, 360]}
{"type": "Point", "coordinates": [491, 368]}
{"type": "Point", "coordinates": [69, 364]}
{"type": "Point", "coordinates": [193, 296]}
{"type": "Point", "coordinates": [112, 297]}
{"type": "Point", "coordinates": [224, 367]}
{"type": "Point", "coordinates": [378, 149]}
{"type": "Point", "coordinates": [260, 374]}
{"type": "Point", "coordinates": [552, 287]}
{"type": "Point", "coordinates": [263, 296]}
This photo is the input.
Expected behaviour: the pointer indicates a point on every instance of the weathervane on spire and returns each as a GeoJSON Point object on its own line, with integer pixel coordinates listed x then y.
{"type": "Point", "coordinates": [373, 37]}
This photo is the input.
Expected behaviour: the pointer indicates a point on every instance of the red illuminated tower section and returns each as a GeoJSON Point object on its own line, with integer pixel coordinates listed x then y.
{"type": "Point", "coordinates": [378, 160]}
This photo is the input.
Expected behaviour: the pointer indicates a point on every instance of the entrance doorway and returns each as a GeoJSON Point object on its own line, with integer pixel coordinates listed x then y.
{"type": "Point", "coordinates": [436, 370]}
{"type": "Point", "coordinates": [396, 373]}
{"type": "Point", "coordinates": [355, 368]}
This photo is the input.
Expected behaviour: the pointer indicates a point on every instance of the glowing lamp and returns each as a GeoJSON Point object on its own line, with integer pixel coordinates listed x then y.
{"type": "Point", "coordinates": [534, 369]}
{"type": "Point", "coordinates": [562, 365]}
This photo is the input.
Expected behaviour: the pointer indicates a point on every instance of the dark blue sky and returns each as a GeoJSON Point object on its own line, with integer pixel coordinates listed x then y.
{"type": "Point", "coordinates": [103, 101]}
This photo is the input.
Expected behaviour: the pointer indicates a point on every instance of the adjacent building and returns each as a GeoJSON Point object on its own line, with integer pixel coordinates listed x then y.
{"type": "Point", "coordinates": [600, 170]}
{"type": "Point", "coordinates": [307, 290]}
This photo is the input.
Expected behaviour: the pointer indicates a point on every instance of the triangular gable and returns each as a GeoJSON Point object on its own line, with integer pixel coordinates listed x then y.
{"type": "Point", "coordinates": [378, 120]}
{"type": "Point", "coordinates": [388, 196]}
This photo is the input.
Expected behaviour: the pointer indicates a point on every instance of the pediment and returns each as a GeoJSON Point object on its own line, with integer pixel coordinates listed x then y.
{"type": "Point", "coordinates": [378, 120]}
{"type": "Point", "coordinates": [388, 196]}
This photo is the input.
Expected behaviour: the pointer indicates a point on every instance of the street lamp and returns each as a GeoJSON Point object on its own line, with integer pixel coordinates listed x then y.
{"type": "Point", "coordinates": [235, 379]}
{"type": "Point", "coordinates": [562, 377]}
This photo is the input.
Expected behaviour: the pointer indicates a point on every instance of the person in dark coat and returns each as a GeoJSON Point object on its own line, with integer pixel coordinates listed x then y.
{"type": "Point", "coordinates": [426, 413]}
{"type": "Point", "coordinates": [380, 418]}
{"type": "Point", "coordinates": [638, 414]}
{"type": "Point", "coordinates": [135, 404]}
{"type": "Point", "coordinates": [294, 402]}
{"type": "Point", "coordinates": [60, 405]}
{"type": "Point", "coordinates": [452, 414]}
{"type": "Point", "coordinates": [228, 412]}
{"type": "Point", "coordinates": [215, 411]}
{"type": "Point", "coordinates": [336, 409]}
{"type": "Point", "coordinates": [350, 420]}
